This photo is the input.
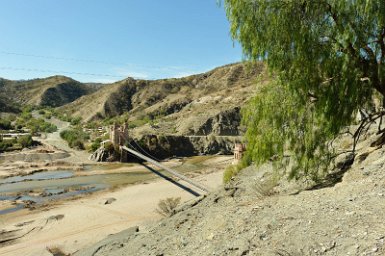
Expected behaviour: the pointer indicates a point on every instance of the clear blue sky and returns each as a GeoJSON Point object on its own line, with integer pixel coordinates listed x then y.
{"type": "Point", "coordinates": [118, 38]}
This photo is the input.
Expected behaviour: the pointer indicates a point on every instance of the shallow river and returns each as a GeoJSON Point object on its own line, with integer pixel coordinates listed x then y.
{"type": "Point", "coordinates": [42, 187]}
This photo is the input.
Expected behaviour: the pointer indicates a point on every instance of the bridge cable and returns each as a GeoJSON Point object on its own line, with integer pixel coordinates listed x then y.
{"type": "Point", "coordinates": [148, 154]}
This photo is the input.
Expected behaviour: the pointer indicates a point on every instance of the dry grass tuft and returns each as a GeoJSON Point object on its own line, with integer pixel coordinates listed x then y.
{"type": "Point", "coordinates": [166, 207]}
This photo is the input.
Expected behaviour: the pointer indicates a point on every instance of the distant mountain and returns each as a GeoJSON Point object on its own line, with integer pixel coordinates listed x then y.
{"type": "Point", "coordinates": [201, 104]}
{"type": "Point", "coordinates": [198, 104]}
{"type": "Point", "coordinates": [52, 91]}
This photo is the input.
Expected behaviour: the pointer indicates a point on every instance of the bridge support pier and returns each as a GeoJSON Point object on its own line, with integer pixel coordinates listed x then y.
{"type": "Point", "coordinates": [123, 156]}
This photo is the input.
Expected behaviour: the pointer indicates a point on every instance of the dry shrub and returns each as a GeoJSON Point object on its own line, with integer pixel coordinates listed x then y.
{"type": "Point", "coordinates": [266, 188]}
{"type": "Point", "coordinates": [56, 251]}
{"type": "Point", "coordinates": [166, 207]}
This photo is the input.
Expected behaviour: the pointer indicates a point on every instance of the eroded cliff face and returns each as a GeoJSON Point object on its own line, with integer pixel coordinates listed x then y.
{"type": "Point", "coordinates": [225, 123]}
{"type": "Point", "coordinates": [169, 146]}
{"type": "Point", "coordinates": [161, 147]}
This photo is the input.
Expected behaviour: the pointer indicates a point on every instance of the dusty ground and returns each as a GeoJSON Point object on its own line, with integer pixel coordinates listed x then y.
{"type": "Point", "coordinates": [79, 223]}
{"type": "Point", "coordinates": [254, 216]}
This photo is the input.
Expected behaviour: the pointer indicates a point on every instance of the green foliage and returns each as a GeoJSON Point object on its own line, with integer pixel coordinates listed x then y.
{"type": "Point", "coordinates": [46, 112]}
{"type": "Point", "coordinates": [95, 145]}
{"type": "Point", "coordinates": [76, 120]}
{"type": "Point", "coordinates": [328, 58]}
{"type": "Point", "coordinates": [5, 144]}
{"type": "Point", "coordinates": [36, 125]}
{"type": "Point", "coordinates": [75, 138]}
{"type": "Point", "coordinates": [5, 124]}
{"type": "Point", "coordinates": [279, 124]}
{"type": "Point", "coordinates": [48, 115]}
{"type": "Point", "coordinates": [39, 125]}
{"type": "Point", "coordinates": [16, 143]}
{"type": "Point", "coordinates": [232, 170]}
{"type": "Point", "coordinates": [62, 116]}
{"type": "Point", "coordinates": [139, 122]}
{"type": "Point", "coordinates": [25, 141]}
{"type": "Point", "coordinates": [113, 150]}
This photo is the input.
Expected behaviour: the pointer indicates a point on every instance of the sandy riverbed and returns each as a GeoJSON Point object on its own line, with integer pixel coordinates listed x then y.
{"type": "Point", "coordinates": [75, 224]}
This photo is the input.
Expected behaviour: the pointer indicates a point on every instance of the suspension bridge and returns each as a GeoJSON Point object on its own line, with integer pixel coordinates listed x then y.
{"type": "Point", "coordinates": [165, 168]}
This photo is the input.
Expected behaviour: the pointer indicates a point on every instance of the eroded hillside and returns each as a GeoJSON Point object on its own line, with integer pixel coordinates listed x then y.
{"type": "Point", "coordinates": [201, 104]}
{"type": "Point", "coordinates": [52, 91]}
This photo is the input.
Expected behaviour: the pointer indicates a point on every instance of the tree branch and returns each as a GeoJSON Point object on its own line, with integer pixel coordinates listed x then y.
{"type": "Point", "coordinates": [381, 41]}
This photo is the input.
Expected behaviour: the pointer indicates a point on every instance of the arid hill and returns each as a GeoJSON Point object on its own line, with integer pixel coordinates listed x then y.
{"type": "Point", "coordinates": [52, 91]}
{"type": "Point", "coordinates": [202, 104]}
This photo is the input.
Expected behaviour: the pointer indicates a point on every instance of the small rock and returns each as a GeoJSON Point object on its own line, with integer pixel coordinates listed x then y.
{"type": "Point", "coordinates": [210, 237]}
{"type": "Point", "coordinates": [110, 200]}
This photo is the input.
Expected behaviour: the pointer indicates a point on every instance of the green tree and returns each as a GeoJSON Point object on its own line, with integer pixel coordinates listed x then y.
{"type": "Point", "coordinates": [25, 141]}
{"type": "Point", "coordinates": [328, 58]}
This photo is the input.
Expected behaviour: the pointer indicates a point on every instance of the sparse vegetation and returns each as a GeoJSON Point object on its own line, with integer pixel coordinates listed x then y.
{"type": "Point", "coordinates": [25, 141]}
{"type": "Point", "coordinates": [6, 144]}
{"type": "Point", "coordinates": [5, 124]}
{"type": "Point", "coordinates": [35, 125]}
{"type": "Point", "coordinates": [166, 206]}
{"type": "Point", "coordinates": [21, 142]}
{"type": "Point", "coordinates": [75, 138]}
{"type": "Point", "coordinates": [234, 169]}
{"type": "Point", "coordinates": [95, 145]}
{"type": "Point", "coordinates": [39, 125]}
{"type": "Point", "coordinates": [75, 120]}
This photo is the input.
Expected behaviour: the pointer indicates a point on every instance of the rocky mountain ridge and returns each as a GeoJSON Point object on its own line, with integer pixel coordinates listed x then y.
{"type": "Point", "coordinates": [200, 105]}
{"type": "Point", "coordinates": [53, 91]}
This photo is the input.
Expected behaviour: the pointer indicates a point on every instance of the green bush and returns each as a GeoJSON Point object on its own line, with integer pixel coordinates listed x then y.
{"type": "Point", "coordinates": [5, 144]}
{"type": "Point", "coordinates": [75, 138]}
{"type": "Point", "coordinates": [95, 145]}
{"type": "Point", "coordinates": [232, 170]}
{"type": "Point", "coordinates": [35, 125]}
{"type": "Point", "coordinates": [5, 124]}
{"type": "Point", "coordinates": [77, 144]}
{"type": "Point", "coordinates": [76, 120]}
{"type": "Point", "coordinates": [48, 115]}
{"type": "Point", "coordinates": [25, 141]}
{"type": "Point", "coordinates": [39, 125]}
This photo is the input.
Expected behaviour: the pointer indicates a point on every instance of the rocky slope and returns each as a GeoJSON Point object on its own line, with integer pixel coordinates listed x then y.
{"type": "Point", "coordinates": [52, 91]}
{"type": "Point", "coordinates": [161, 147]}
{"type": "Point", "coordinates": [201, 104]}
{"type": "Point", "coordinates": [256, 215]}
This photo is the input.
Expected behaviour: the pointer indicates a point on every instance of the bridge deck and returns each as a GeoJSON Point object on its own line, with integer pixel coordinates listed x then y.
{"type": "Point", "coordinates": [167, 169]}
